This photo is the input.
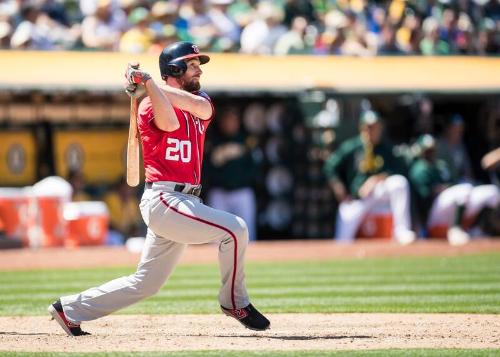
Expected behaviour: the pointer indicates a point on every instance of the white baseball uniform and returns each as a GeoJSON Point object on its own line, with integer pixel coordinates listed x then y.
{"type": "Point", "coordinates": [394, 191]}
{"type": "Point", "coordinates": [474, 198]}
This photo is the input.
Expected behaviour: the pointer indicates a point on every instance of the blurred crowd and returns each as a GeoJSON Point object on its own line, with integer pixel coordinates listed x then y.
{"type": "Point", "coordinates": [343, 27]}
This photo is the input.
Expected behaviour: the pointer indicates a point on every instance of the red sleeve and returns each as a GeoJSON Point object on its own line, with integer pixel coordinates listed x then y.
{"type": "Point", "coordinates": [145, 115]}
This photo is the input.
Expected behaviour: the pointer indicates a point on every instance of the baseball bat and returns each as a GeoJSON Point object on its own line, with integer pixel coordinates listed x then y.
{"type": "Point", "coordinates": [133, 146]}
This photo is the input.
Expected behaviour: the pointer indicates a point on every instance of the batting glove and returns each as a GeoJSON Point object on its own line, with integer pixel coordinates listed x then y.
{"type": "Point", "coordinates": [134, 90]}
{"type": "Point", "coordinates": [136, 76]}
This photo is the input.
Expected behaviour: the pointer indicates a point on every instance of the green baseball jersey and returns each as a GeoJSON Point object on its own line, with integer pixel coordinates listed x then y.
{"type": "Point", "coordinates": [353, 163]}
{"type": "Point", "coordinates": [229, 157]}
{"type": "Point", "coordinates": [424, 177]}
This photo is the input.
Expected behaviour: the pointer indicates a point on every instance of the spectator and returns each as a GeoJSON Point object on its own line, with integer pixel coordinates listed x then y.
{"type": "Point", "coordinates": [431, 44]}
{"type": "Point", "coordinates": [450, 148]}
{"type": "Point", "coordinates": [408, 36]}
{"type": "Point", "coordinates": [102, 30]}
{"type": "Point", "coordinates": [333, 38]}
{"type": "Point", "coordinates": [5, 34]}
{"type": "Point", "coordinates": [37, 31]}
{"type": "Point", "coordinates": [123, 205]}
{"type": "Point", "coordinates": [163, 38]}
{"type": "Point", "coordinates": [261, 35]}
{"type": "Point", "coordinates": [299, 8]}
{"type": "Point", "coordinates": [464, 39]}
{"type": "Point", "coordinates": [364, 174]}
{"type": "Point", "coordinates": [388, 44]}
{"type": "Point", "coordinates": [140, 37]}
{"type": "Point", "coordinates": [243, 12]}
{"type": "Point", "coordinates": [167, 14]}
{"type": "Point", "coordinates": [488, 39]}
{"type": "Point", "coordinates": [356, 28]}
{"type": "Point", "coordinates": [230, 156]}
{"type": "Point", "coordinates": [355, 43]}
{"type": "Point", "coordinates": [201, 27]}
{"type": "Point", "coordinates": [77, 181]}
{"type": "Point", "coordinates": [441, 201]}
{"type": "Point", "coordinates": [228, 31]}
{"type": "Point", "coordinates": [293, 41]}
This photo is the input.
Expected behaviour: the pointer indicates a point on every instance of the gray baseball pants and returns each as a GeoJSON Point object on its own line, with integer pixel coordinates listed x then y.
{"type": "Point", "coordinates": [174, 219]}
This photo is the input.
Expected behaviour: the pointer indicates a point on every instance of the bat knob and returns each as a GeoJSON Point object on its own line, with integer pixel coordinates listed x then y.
{"type": "Point", "coordinates": [134, 65]}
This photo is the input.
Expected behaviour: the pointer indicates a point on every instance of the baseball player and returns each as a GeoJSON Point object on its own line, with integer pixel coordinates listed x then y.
{"type": "Point", "coordinates": [172, 122]}
{"type": "Point", "coordinates": [364, 173]}
{"type": "Point", "coordinates": [440, 200]}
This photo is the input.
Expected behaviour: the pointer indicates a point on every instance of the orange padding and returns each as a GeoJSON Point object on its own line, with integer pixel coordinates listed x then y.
{"type": "Point", "coordinates": [14, 216]}
{"type": "Point", "coordinates": [376, 225]}
{"type": "Point", "coordinates": [90, 230]}
{"type": "Point", "coordinates": [440, 230]}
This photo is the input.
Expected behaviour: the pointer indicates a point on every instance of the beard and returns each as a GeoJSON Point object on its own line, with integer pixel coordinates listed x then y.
{"type": "Point", "coordinates": [191, 86]}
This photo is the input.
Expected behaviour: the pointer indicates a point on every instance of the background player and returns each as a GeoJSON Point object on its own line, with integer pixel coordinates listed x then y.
{"type": "Point", "coordinates": [172, 123]}
{"type": "Point", "coordinates": [442, 201]}
{"type": "Point", "coordinates": [230, 155]}
{"type": "Point", "coordinates": [364, 173]}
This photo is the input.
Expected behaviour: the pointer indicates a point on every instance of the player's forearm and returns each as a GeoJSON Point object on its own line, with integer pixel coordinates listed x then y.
{"type": "Point", "coordinates": [165, 117]}
{"type": "Point", "coordinates": [194, 104]}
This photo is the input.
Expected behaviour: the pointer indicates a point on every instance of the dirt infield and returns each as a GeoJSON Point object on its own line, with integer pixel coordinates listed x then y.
{"type": "Point", "coordinates": [294, 250]}
{"type": "Point", "coordinates": [288, 332]}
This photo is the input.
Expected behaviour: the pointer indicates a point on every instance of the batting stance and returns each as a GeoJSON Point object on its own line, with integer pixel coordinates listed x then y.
{"type": "Point", "coordinates": [172, 122]}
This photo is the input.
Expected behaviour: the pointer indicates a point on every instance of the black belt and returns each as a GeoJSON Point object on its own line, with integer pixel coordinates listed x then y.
{"type": "Point", "coordinates": [179, 187]}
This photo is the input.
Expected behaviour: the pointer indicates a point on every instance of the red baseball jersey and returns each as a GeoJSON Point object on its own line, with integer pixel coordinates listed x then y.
{"type": "Point", "coordinates": [172, 156]}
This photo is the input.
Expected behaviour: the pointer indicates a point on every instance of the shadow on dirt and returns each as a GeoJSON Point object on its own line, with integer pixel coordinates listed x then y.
{"type": "Point", "coordinates": [296, 338]}
{"type": "Point", "coordinates": [13, 333]}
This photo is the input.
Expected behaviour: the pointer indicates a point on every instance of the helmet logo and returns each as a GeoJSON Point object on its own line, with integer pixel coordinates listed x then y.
{"type": "Point", "coordinates": [196, 49]}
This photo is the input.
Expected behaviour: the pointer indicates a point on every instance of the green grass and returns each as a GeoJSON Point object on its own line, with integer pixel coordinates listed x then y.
{"type": "Point", "coordinates": [468, 284]}
{"type": "Point", "coordinates": [369, 353]}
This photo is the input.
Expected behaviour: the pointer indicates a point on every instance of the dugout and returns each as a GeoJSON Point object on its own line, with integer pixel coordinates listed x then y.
{"type": "Point", "coordinates": [60, 110]}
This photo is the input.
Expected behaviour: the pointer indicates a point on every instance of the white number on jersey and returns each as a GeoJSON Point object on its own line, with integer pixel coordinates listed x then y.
{"type": "Point", "coordinates": [180, 149]}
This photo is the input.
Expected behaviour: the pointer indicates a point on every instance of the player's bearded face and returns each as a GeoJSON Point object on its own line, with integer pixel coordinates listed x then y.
{"type": "Point", "coordinates": [190, 81]}
{"type": "Point", "coordinates": [190, 84]}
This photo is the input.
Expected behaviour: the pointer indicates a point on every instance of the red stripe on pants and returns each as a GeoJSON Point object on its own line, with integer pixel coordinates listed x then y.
{"type": "Point", "coordinates": [233, 236]}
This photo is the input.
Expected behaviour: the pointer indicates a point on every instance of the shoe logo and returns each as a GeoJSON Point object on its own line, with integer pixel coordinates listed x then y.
{"type": "Point", "coordinates": [240, 313]}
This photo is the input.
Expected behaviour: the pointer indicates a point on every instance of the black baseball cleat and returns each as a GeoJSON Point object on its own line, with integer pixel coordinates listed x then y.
{"type": "Point", "coordinates": [249, 317]}
{"type": "Point", "coordinates": [70, 328]}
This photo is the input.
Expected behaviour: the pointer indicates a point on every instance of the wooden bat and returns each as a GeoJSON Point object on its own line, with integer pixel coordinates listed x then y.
{"type": "Point", "coordinates": [133, 146]}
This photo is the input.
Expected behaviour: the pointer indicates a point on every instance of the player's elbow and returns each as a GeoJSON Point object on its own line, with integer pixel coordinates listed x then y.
{"type": "Point", "coordinates": [204, 109]}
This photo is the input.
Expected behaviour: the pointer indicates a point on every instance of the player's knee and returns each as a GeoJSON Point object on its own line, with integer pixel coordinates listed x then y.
{"type": "Point", "coordinates": [241, 231]}
{"type": "Point", "coordinates": [462, 193]}
{"type": "Point", "coordinates": [397, 183]}
{"type": "Point", "coordinates": [488, 194]}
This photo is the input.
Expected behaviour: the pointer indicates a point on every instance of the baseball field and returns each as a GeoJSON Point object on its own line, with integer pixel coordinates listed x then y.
{"type": "Point", "coordinates": [323, 299]}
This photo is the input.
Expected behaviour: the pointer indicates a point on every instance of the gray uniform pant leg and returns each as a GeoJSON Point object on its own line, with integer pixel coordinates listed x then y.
{"type": "Point", "coordinates": [184, 218]}
{"type": "Point", "coordinates": [174, 220]}
{"type": "Point", "coordinates": [159, 257]}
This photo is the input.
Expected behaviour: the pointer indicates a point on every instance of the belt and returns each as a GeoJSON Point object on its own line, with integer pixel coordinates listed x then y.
{"type": "Point", "coordinates": [180, 187]}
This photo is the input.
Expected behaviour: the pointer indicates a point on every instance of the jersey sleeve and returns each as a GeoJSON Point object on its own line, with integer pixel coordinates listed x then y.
{"type": "Point", "coordinates": [207, 97]}
{"type": "Point", "coordinates": [145, 112]}
{"type": "Point", "coordinates": [145, 116]}
{"type": "Point", "coordinates": [335, 166]}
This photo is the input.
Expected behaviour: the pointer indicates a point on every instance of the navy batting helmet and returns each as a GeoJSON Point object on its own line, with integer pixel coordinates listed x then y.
{"type": "Point", "coordinates": [173, 57]}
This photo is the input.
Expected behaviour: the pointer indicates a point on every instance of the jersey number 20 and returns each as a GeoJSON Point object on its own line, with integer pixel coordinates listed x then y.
{"type": "Point", "coordinates": [181, 149]}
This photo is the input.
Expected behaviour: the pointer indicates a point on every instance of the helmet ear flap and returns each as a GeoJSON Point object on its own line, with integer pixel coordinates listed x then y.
{"type": "Point", "coordinates": [177, 69]}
